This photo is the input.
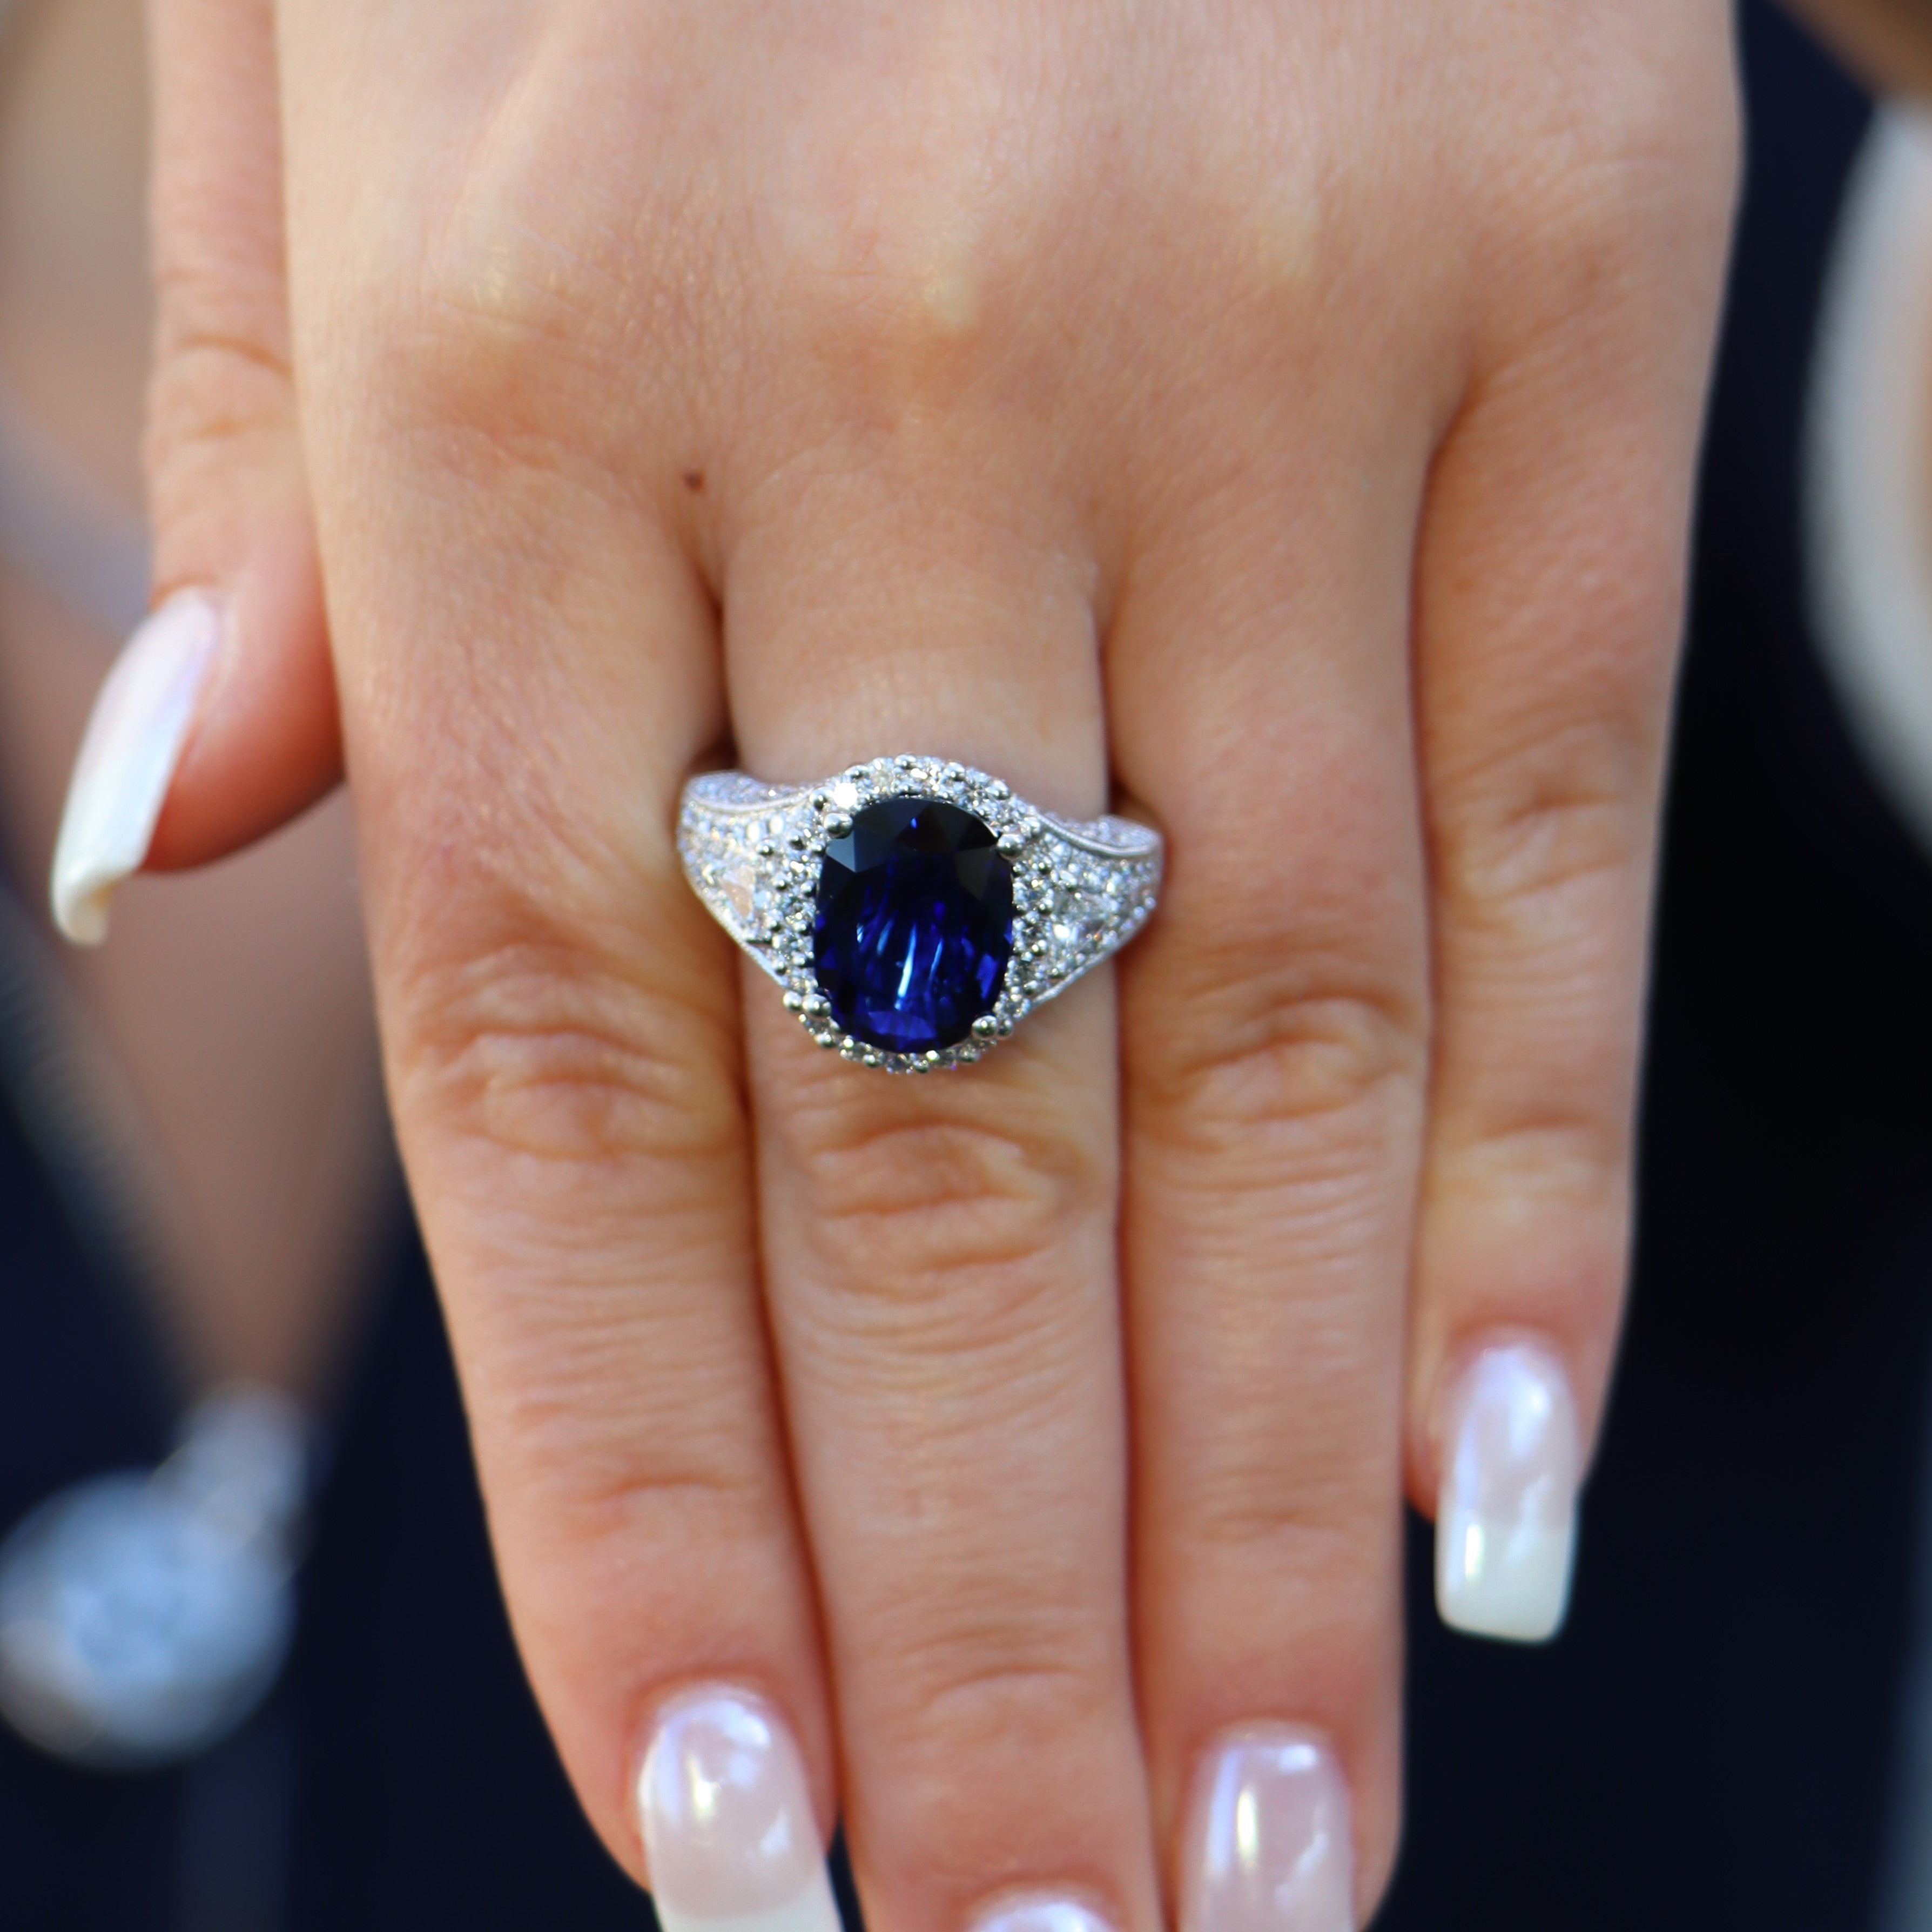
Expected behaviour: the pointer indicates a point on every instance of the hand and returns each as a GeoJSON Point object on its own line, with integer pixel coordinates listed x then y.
{"type": "Point", "coordinates": [1284, 413]}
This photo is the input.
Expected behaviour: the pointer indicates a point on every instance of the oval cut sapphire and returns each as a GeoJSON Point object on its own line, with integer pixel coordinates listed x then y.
{"type": "Point", "coordinates": [914, 925]}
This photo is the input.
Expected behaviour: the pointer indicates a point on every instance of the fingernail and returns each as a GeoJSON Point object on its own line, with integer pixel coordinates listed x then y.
{"type": "Point", "coordinates": [728, 1826]}
{"type": "Point", "coordinates": [1269, 1845]}
{"type": "Point", "coordinates": [128, 759]}
{"type": "Point", "coordinates": [1506, 1520]}
{"type": "Point", "coordinates": [1040, 1912]}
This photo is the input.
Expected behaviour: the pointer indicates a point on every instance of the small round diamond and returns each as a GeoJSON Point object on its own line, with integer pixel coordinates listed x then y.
{"type": "Point", "coordinates": [913, 924]}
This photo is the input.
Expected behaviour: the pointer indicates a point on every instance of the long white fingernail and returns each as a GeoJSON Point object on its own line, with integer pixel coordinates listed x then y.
{"type": "Point", "coordinates": [728, 1828]}
{"type": "Point", "coordinates": [1040, 1911]}
{"type": "Point", "coordinates": [1269, 1844]}
{"type": "Point", "coordinates": [1506, 1520]}
{"type": "Point", "coordinates": [127, 758]}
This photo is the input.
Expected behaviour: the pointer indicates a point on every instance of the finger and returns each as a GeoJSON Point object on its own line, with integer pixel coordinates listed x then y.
{"type": "Point", "coordinates": [1274, 1022]}
{"type": "Point", "coordinates": [219, 723]}
{"type": "Point", "coordinates": [940, 1253]}
{"type": "Point", "coordinates": [1550, 588]}
{"type": "Point", "coordinates": [529, 670]}
{"type": "Point", "coordinates": [561, 1038]}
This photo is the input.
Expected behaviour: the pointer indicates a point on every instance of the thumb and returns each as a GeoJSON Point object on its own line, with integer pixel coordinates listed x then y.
{"type": "Point", "coordinates": [218, 722]}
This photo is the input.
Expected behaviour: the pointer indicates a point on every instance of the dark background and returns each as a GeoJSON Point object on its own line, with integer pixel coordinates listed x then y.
{"type": "Point", "coordinates": [1711, 1743]}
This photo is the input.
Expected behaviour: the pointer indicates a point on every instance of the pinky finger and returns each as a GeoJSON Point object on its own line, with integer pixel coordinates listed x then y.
{"type": "Point", "coordinates": [1549, 597]}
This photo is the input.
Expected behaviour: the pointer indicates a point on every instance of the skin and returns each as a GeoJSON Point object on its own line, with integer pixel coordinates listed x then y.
{"type": "Point", "coordinates": [1196, 397]}
{"type": "Point", "coordinates": [234, 1007]}
{"type": "Point", "coordinates": [1889, 41]}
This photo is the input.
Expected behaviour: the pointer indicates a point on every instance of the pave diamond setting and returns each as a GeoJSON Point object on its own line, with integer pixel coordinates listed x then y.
{"type": "Point", "coordinates": [911, 961]}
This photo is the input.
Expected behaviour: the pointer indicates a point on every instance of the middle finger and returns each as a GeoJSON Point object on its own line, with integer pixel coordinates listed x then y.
{"type": "Point", "coordinates": [939, 1252]}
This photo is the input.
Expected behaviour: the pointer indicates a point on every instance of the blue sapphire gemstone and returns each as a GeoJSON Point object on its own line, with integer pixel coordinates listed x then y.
{"type": "Point", "coordinates": [914, 925]}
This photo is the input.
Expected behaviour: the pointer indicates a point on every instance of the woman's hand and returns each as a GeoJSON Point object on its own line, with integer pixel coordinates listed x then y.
{"type": "Point", "coordinates": [1282, 412]}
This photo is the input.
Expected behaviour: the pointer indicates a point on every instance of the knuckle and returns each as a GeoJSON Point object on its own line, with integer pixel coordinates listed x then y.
{"type": "Point", "coordinates": [1619, 153]}
{"type": "Point", "coordinates": [1529, 844]}
{"type": "Point", "coordinates": [979, 1715]}
{"type": "Point", "coordinates": [985, 1687]}
{"type": "Point", "coordinates": [462, 341]}
{"type": "Point", "coordinates": [1626, 180]}
{"type": "Point", "coordinates": [929, 1185]}
{"type": "Point", "coordinates": [472, 390]}
{"type": "Point", "coordinates": [504, 342]}
{"type": "Point", "coordinates": [1534, 1158]}
{"type": "Point", "coordinates": [601, 1477]}
{"type": "Point", "coordinates": [220, 374]}
{"type": "Point", "coordinates": [546, 1051]}
{"type": "Point", "coordinates": [1301, 1490]}
{"type": "Point", "coordinates": [990, 1662]}
{"type": "Point", "coordinates": [1320, 1567]}
{"type": "Point", "coordinates": [1273, 1047]}
{"type": "Point", "coordinates": [205, 294]}
{"type": "Point", "coordinates": [908, 241]}
{"type": "Point", "coordinates": [515, 322]}
{"type": "Point", "coordinates": [602, 1482]}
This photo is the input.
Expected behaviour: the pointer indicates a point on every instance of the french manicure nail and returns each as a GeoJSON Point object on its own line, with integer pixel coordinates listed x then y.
{"type": "Point", "coordinates": [728, 1827]}
{"type": "Point", "coordinates": [1506, 1519]}
{"type": "Point", "coordinates": [1269, 1845]}
{"type": "Point", "coordinates": [1040, 1912]}
{"type": "Point", "coordinates": [128, 759]}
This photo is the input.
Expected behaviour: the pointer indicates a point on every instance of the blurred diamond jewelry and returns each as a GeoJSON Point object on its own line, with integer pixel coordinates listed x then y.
{"type": "Point", "coordinates": [1868, 498]}
{"type": "Point", "coordinates": [913, 909]}
{"type": "Point", "coordinates": [144, 1615]}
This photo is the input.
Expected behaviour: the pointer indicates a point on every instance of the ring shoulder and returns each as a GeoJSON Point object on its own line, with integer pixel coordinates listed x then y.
{"type": "Point", "coordinates": [1108, 838]}
{"type": "Point", "coordinates": [1101, 884]}
{"type": "Point", "coordinates": [739, 841]}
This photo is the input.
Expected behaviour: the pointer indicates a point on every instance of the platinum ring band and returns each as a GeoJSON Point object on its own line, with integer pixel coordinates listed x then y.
{"type": "Point", "coordinates": [757, 856]}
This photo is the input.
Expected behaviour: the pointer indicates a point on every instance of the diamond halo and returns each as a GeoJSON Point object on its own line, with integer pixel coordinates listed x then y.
{"type": "Point", "coordinates": [753, 853]}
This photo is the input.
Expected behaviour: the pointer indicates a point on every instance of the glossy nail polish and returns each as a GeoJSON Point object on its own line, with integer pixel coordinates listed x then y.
{"type": "Point", "coordinates": [728, 1828]}
{"type": "Point", "coordinates": [1269, 1843]}
{"type": "Point", "coordinates": [1040, 1912]}
{"type": "Point", "coordinates": [1506, 1519]}
{"type": "Point", "coordinates": [128, 759]}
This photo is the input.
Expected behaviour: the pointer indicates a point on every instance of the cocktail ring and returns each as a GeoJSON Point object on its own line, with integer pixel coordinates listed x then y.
{"type": "Point", "coordinates": [914, 911]}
